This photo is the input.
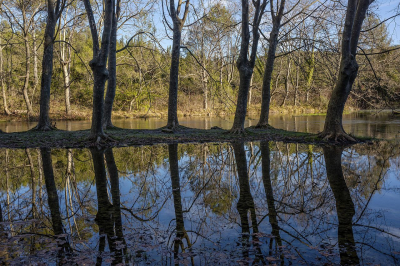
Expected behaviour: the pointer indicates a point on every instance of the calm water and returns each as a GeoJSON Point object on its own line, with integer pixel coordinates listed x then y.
{"type": "Point", "coordinates": [372, 124]}
{"type": "Point", "coordinates": [201, 204]}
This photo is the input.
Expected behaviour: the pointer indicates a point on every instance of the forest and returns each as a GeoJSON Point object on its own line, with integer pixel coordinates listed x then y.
{"type": "Point", "coordinates": [63, 59]}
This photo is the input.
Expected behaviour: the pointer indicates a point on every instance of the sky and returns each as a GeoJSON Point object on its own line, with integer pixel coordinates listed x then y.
{"type": "Point", "coordinates": [386, 9]}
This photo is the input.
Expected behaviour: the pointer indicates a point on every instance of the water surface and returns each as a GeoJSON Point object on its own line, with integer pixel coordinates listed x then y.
{"type": "Point", "coordinates": [201, 204]}
{"type": "Point", "coordinates": [366, 124]}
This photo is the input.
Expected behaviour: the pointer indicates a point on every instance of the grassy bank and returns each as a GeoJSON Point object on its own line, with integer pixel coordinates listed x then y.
{"type": "Point", "coordinates": [129, 137]}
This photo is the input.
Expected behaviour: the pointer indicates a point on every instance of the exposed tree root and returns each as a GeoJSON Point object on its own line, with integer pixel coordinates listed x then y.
{"type": "Point", "coordinates": [337, 137]}
{"type": "Point", "coordinates": [237, 131]}
{"type": "Point", "coordinates": [173, 128]}
{"type": "Point", "coordinates": [46, 127]}
{"type": "Point", "coordinates": [100, 140]}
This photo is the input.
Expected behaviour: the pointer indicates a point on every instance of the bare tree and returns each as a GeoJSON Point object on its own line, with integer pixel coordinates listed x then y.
{"type": "Point", "coordinates": [177, 27]}
{"type": "Point", "coordinates": [54, 11]}
{"type": "Point", "coordinates": [99, 66]}
{"type": "Point", "coordinates": [245, 64]}
{"type": "Point", "coordinates": [112, 68]}
{"type": "Point", "coordinates": [355, 14]}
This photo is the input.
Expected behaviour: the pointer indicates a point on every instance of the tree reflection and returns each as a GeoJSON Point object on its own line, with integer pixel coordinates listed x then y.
{"type": "Point", "coordinates": [344, 205]}
{"type": "Point", "coordinates": [53, 202]}
{"type": "Point", "coordinates": [246, 202]}
{"type": "Point", "coordinates": [108, 216]}
{"type": "Point", "coordinates": [176, 192]}
{"type": "Point", "coordinates": [272, 213]}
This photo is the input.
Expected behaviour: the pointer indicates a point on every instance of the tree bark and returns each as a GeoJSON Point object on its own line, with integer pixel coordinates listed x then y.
{"type": "Point", "coordinates": [27, 74]}
{"type": "Point", "coordinates": [66, 68]}
{"type": "Point", "coordinates": [245, 64]}
{"type": "Point", "coordinates": [178, 23]}
{"type": "Point", "coordinates": [98, 66]}
{"type": "Point", "coordinates": [269, 65]}
{"type": "Point", "coordinates": [112, 69]}
{"type": "Point", "coordinates": [333, 128]}
{"type": "Point", "coordinates": [5, 105]}
{"type": "Point", "coordinates": [47, 67]}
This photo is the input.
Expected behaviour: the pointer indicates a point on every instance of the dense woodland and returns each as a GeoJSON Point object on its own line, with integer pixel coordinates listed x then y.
{"type": "Point", "coordinates": [65, 57]}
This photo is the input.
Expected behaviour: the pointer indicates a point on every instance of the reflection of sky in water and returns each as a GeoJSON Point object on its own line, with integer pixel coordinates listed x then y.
{"type": "Point", "coordinates": [312, 234]}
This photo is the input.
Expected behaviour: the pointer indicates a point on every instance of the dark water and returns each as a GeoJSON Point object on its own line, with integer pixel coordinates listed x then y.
{"type": "Point", "coordinates": [201, 204]}
{"type": "Point", "coordinates": [366, 124]}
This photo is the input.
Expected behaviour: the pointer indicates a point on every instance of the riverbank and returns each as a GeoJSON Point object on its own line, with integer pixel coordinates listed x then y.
{"type": "Point", "coordinates": [82, 113]}
{"type": "Point", "coordinates": [129, 137]}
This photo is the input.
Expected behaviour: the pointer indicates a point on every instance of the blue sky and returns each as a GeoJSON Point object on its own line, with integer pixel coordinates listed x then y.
{"type": "Point", "coordinates": [386, 9]}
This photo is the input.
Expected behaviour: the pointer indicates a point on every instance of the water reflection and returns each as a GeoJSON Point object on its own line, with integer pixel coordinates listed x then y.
{"type": "Point", "coordinates": [53, 202]}
{"type": "Point", "coordinates": [344, 205]}
{"type": "Point", "coordinates": [377, 124]}
{"type": "Point", "coordinates": [228, 204]}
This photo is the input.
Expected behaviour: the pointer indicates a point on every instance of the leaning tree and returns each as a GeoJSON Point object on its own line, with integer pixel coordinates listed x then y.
{"type": "Point", "coordinates": [333, 128]}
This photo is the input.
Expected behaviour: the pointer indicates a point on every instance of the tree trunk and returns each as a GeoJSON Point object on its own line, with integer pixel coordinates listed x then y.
{"type": "Point", "coordinates": [112, 69]}
{"type": "Point", "coordinates": [286, 84]}
{"type": "Point", "coordinates": [296, 87]}
{"type": "Point", "coordinates": [344, 205]}
{"type": "Point", "coordinates": [47, 70]}
{"type": "Point", "coordinates": [5, 105]}
{"type": "Point", "coordinates": [35, 65]}
{"type": "Point", "coordinates": [246, 63]}
{"type": "Point", "coordinates": [250, 90]}
{"type": "Point", "coordinates": [174, 79]}
{"type": "Point", "coordinates": [267, 79]}
{"type": "Point", "coordinates": [67, 86]}
{"type": "Point", "coordinates": [245, 74]}
{"type": "Point", "coordinates": [27, 74]}
{"type": "Point", "coordinates": [333, 128]}
{"type": "Point", "coordinates": [269, 65]}
{"type": "Point", "coordinates": [98, 66]}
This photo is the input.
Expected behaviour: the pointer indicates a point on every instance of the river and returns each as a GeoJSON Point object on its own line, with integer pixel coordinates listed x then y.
{"type": "Point", "coordinates": [377, 124]}
{"type": "Point", "coordinates": [201, 204]}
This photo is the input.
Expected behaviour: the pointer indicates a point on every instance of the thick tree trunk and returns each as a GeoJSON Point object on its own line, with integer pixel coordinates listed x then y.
{"type": "Point", "coordinates": [241, 107]}
{"type": "Point", "coordinates": [246, 63]}
{"type": "Point", "coordinates": [112, 69]}
{"type": "Point", "coordinates": [27, 75]}
{"type": "Point", "coordinates": [333, 128]}
{"type": "Point", "coordinates": [344, 205]}
{"type": "Point", "coordinates": [174, 79]}
{"type": "Point", "coordinates": [98, 66]}
{"type": "Point", "coordinates": [47, 72]}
